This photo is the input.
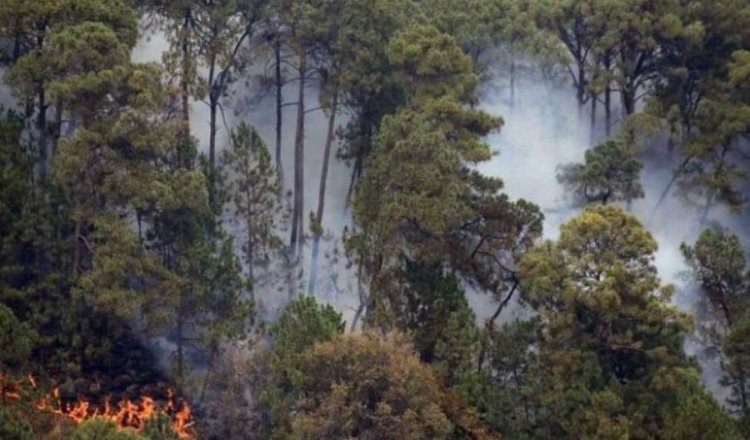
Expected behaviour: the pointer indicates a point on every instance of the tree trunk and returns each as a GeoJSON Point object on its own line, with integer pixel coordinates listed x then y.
{"type": "Point", "coordinates": [42, 127]}
{"type": "Point", "coordinates": [184, 81]}
{"type": "Point", "coordinates": [593, 117]}
{"type": "Point", "coordinates": [581, 87]}
{"type": "Point", "coordinates": [491, 324]}
{"type": "Point", "coordinates": [77, 249]}
{"type": "Point", "coordinates": [512, 79]}
{"type": "Point", "coordinates": [58, 128]}
{"type": "Point", "coordinates": [707, 207]}
{"type": "Point", "coordinates": [299, 161]}
{"type": "Point", "coordinates": [250, 260]}
{"type": "Point", "coordinates": [628, 100]}
{"type": "Point", "coordinates": [213, 109]}
{"type": "Point", "coordinates": [322, 191]}
{"type": "Point", "coordinates": [279, 103]}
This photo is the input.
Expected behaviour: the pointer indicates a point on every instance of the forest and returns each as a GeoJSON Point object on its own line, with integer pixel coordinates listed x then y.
{"type": "Point", "coordinates": [374, 219]}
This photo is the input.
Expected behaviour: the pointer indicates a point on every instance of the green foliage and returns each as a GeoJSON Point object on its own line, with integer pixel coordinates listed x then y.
{"type": "Point", "coordinates": [718, 262]}
{"type": "Point", "coordinates": [303, 323]}
{"type": "Point", "coordinates": [610, 342]}
{"type": "Point", "coordinates": [15, 341]}
{"type": "Point", "coordinates": [403, 211]}
{"type": "Point", "coordinates": [366, 386]}
{"type": "Point", "coordinates": [506, 391]}
{"type": "Point", "coordinates": [254, 189]}
{"type": "Point", "coordinates": [439, 320]}
{"type": "Point", "coordinates": [159, 428]}
{"type": "Point", "coordinates": [13, 428]}
{"type": "Point", "coordinates": [100, 429]}
{"type": "Point", "coordinates": [610, 173]}
{"type": "Point", "coordinates": [698, 416]}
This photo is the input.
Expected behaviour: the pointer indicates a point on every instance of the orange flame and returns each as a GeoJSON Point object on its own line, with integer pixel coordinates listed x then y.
{"type": "Point", "coordinates": [124, 414]}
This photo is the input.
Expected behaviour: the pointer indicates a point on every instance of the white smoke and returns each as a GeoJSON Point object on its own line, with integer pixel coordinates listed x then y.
{"type": "Point", "coordinates": [335, 283]}
{"type": "Point", "coordinates": [544, 130]}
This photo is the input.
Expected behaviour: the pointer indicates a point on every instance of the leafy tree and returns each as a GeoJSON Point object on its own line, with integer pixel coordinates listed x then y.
{"type": "Point", "coordinates": [737, 364]}
{"type": "Point", "coordinates": [15, 341]}
{"type": "Point", "coordinates": [440, 321]}
{"type": "Point", "coordinates": [368, 387]}
{"type": "Point", "coordinates": [101, 429]}
{"type": "Point", "coordinates": [610, 173]}
{"type": "Point", "coordinates": [253, 187]}
{"type": "Point", "coordinates": [718, 262]}
{"type": "Point", "coordinates": [611, 344]}
{"type": "Point", "coordinates": [302, 324]}
{"type": "Point", "coordinates": [209, 37]}
{"type": "Point", "coordinates": [403, 212]}
{"type": "Point", "coordinates": [33, 26]}
{"type": "Point", "coordinates": [507, 387]}
{"type": "Point", "coordinates": [159, 428]}
{"type": "Point", "coordinates": [694, 63]}
{"type": "Point", "coordinates": [698, 416]}
{"type": "Point", "coordinates": [14, 428]}
{"type": "Point", "coordinates": [579, 25]}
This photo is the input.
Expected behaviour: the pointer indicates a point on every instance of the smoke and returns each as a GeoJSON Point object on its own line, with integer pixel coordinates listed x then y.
{"type": "Point", "coordinates": [543, 129]}
{"type": "Point", "coordinates": [248, 102]}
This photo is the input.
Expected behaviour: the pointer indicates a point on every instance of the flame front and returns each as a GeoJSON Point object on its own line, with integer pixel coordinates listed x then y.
{"type": "Point", "coordinates": [125, 414]}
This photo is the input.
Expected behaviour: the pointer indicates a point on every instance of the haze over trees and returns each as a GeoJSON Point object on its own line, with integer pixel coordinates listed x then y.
{"type": "Point", "coordinates": [142, 248]}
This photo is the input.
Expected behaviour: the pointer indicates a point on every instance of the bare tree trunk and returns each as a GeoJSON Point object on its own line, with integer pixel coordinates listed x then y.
{"type": "Point", "coordinates": [299, 161]}
{"type": "Point", "coordinates": [250, 260]}
{"type": "Point", "coordinates": [322, 191]}
{"type": "Point", "coordinates": [213, 103]}
{"type": "Point", "coordinates": [184, 81]}
{"type": "Point", "coordinates": [628, 100]}
{"type": "Point", "coordinates": [512, 79]}
{"type": "Point", "coordinates": [42, 127]}
{"type": "Point", "coordinates": [490, 325]}
{"type": "Point", "coordinates": [707, 207]}
{"type": "Point", "coordinates": [279, 103]}
{"type": "Point", "coordinates": [58, 127]}
{"type": "Point", "coordinates": [581, 89]}
{"type": "Point", "coordinates": [77, 249]}
{"type": "Point", "coordinates": [593, 117]}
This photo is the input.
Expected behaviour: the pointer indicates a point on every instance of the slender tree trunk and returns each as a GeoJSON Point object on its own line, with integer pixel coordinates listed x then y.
{"type": "Point", "coordinates": [42, 127]}
{"type": "Point", "coordinates": [184, 80]}
{"type": "Point", "coordinates": [707, 207]}
{"type": "Point", "coordinates": [362, 300]}
{"type": "Point", "coordinates": [16, 42]}
{"type": "Point", "coordinates": [607, 97]}
{"type": "Point", "coordinates": [593, 117]}
{"type": "Point", "coordinates": [299, 161]}
{"type": "Point", "coordinates": [213, 102]}
{"type": "Point", "coordinates": [491, 325]}
{"type": "Point", "coordinates": [322, 191]}
{"type": "Point", "coordinates": [279, 103]}
{"type": "Point", "coordinates": [58, 127]}
{"type": "Point", "coordinates": [512, 79]}
{"type": "Point", "coordinates": [581, 88]}
{"type": "Point", "coordinates": [77, 249]}
{"type": "Point", "coordinates": [250, 260]}
{"type": "Point", "coordinates": [628, 100]}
